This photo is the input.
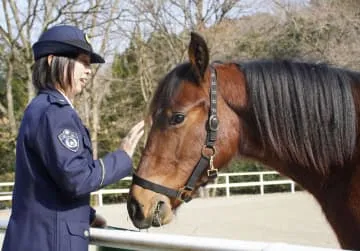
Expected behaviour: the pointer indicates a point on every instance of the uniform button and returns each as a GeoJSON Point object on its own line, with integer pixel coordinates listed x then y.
{"type": "Point", "coordinates": [86, 233]}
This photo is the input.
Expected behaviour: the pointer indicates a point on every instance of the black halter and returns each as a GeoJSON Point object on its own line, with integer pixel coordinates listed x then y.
{"type": "Point", "coordinates": [206, 160]}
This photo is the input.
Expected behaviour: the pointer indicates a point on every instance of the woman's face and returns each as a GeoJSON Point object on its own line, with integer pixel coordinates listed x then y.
{"type": "Point", "coordinates": [82, 74]}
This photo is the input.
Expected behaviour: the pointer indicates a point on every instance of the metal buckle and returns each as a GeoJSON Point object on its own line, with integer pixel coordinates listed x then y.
{"type": "Point", "coordinates": [212, 172]}
{"type": "Point", "coordinates": [213, 123]}
{"type": "Point", "coordinates": [184, 194]}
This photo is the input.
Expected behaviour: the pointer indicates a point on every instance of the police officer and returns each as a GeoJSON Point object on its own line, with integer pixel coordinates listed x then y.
{"type": "Point", "coordinates": [55, 170]}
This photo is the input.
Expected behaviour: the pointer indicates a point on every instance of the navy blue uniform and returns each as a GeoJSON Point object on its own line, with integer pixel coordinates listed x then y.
{"type": "Point", "coordinates": [55, 174]}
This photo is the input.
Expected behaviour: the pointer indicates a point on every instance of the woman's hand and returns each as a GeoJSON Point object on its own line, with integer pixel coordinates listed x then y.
{"type": "Point", "coordinates": [98, 222]}
{"type": "Point", "coordinates": [128, 144]}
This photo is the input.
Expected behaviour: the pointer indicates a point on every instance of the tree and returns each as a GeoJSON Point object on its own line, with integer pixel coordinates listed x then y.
{"type": "Point", "coordinates": [23, 24]}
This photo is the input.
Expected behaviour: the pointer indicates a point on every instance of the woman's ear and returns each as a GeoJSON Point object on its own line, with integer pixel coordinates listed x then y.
{"type": "Point", "coordinates": [50, 58]}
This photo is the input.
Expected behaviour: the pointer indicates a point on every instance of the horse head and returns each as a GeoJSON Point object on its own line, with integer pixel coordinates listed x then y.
{"type": "Point", "coordinates": [194, 132]}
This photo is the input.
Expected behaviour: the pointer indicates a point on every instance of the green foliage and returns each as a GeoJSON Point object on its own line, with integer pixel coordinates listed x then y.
{"type": "Point", "coordinates": [2, 77]}
{"type": "Point", "coordinates": [7, 153]}
{"type": "Point", "coordinates": [244, 166]}
{"type": "Point", "coordinates": [127, 108]}
{"type": "Point", "coordinates": [284, 42]}
{"type": "Point", "coordinates": [128, 101]}
{"type": "Point", "coordinates": [125, 65]}
{"type": "Point", "coordinates": [19, 93]}
{"type": "Point", "coordinates": [352, 5]}
{"type": "Point", "coordinates": [7, 141]}
{"type": "Point", "coordinates": [124, 106]}
{"type": "Point", "coordinates": [167, 50]}
{"type": "Point", "coordinates": [118, 198]}
{"type": "Point", "coordinates": [253, 45]}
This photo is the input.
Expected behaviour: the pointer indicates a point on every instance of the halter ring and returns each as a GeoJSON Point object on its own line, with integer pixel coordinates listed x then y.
{"type": "Point", "coordinates": [184, 194]}
{"type": "Point", "coordinates": [212, 149]}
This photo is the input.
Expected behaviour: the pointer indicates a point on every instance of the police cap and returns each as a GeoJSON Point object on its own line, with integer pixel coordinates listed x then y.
{"type": "Point", "coordinates": [64, 40]}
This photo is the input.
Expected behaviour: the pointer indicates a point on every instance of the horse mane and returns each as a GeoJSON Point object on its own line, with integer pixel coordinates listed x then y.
{"type": "Point", "coordinates": [304, 111]}
{"type": "Point", "coordinates": [167, 89]}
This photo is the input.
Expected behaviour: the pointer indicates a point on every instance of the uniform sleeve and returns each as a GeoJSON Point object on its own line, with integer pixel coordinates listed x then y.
{"type": "Point", "coordinates": [67, 155]}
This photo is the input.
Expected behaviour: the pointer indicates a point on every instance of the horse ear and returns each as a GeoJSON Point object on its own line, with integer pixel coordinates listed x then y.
{"type": "Point", "coordinates": [198, 55]}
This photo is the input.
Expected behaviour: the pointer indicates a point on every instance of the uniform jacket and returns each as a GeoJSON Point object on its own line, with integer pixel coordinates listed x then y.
{"type": "Point", "coordinates": [55, 174]}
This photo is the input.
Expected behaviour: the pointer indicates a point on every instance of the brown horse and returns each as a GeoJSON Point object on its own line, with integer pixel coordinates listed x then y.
{"type": "Point", "coordinates": [298, 118]}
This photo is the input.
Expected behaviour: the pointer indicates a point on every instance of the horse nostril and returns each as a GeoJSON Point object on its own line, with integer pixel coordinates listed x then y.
{"type": "Point", "coordinates": [134, 209]}
{"type": "Point", "coordinates": [158, 214]}
{"type": "Point", "coordinates": [160, 206]}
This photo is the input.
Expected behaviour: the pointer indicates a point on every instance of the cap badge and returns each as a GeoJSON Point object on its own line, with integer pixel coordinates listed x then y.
{"type": "Point", "coordinates": [87, 39]}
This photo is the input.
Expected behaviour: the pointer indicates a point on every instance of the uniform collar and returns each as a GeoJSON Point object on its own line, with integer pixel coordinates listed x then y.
{"type": "Point", "coordinates": [66, 98]}
{"type": "Point", "coordinates": [57, 97]}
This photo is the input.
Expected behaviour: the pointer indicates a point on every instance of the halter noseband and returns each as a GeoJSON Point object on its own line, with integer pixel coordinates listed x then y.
{"type": "Point", "coordinates": [206, 160]}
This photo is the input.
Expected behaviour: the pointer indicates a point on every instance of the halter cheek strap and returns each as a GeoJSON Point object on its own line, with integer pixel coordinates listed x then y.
{"type": "Point", "coordinates": [206, 160]}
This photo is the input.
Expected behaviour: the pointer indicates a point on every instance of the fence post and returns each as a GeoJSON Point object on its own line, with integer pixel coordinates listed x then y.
{"type": "Point", "coordinates": [100, 196]}
{"type": "Point", "coordinates": [261, 183]}
{"type": "Point", "coordinates": [227, 181]}
{"type": "Point", "coordinates": [292, 187]}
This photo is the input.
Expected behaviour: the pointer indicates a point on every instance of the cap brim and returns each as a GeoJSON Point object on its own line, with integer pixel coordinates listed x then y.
{"type": "Point", "coordinates": [67, 49]}
{"type": "Point", "coordinates": [96, 59]}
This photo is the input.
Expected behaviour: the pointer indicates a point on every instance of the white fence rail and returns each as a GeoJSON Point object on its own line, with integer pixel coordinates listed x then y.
{"type": "Point", "coordinates": [261, 183]}
{"type": "Point", "coordinates": [149, 241]}
{"type": "Point", "coordinates": [227, 185]}
{"type": "Point", "coordinates": [164, 242]}
{"type": "Point", "coordinates": [6, 196]}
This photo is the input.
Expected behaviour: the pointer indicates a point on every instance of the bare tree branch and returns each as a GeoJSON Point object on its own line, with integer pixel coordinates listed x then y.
{"type": "Point", "coordinates": [3, 109]}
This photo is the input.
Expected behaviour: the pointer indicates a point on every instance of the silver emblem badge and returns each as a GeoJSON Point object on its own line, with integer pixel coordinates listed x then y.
{"type": "Point", "coordinates": [69, 139]}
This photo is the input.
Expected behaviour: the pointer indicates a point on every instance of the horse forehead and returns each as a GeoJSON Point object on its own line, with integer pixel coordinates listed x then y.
{"type": "Point", "coordinates": [188, 93]}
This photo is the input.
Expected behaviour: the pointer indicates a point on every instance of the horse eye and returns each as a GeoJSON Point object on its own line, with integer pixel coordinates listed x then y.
{"type": "Point", "coordinates": [176, 118]}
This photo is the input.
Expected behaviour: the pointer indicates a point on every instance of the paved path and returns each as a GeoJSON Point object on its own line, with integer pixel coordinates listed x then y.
{"type": "Point", "coordinates": [291, 218]}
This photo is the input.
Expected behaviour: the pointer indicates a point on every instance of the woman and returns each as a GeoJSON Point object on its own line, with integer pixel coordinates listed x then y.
{"type": "Point", "coordinates": [55, 170]}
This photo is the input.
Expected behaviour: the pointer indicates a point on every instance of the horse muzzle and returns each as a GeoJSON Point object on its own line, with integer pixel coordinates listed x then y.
{"type": "Point", "coordinates": [158, 213]}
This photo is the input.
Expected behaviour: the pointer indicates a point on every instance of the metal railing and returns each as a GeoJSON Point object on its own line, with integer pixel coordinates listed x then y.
{"type": "Point", "coordinates": [151, 241]}
{"type": "Point", "coordinates": [142, 241]}
{"type": "Point", "coordinates": [218, 184]}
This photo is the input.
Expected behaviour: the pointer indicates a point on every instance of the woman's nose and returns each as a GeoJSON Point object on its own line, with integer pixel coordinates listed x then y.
{"type": "Point", "coordinates": [88, 70]}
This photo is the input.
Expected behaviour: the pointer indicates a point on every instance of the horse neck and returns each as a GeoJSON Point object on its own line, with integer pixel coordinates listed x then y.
{"type": "Point", "coordinates": [233, 90]}
{"type": "Point", "coordinates": [337, 189]}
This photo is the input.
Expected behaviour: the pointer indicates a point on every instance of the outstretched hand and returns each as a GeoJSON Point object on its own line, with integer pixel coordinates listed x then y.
{"type": "Point", "coordinates": [129, 143]}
